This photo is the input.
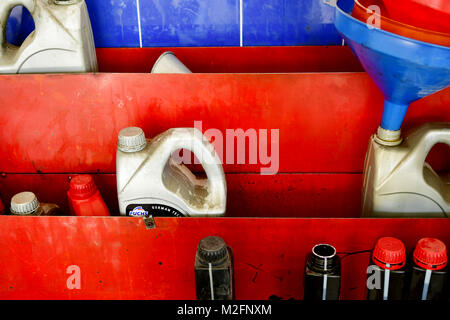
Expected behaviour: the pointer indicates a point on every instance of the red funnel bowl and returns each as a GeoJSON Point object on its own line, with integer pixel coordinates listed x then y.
{"type": "Point", "coordinates": [427, 14]}
{"type": "Point", "coordinates": [361, 12]}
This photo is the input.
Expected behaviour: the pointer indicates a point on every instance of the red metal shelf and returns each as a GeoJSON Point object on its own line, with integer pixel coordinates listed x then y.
{"type": "Point", "coordinates": [120, 259]}
{"type": "Point", "coordinates": [234, 59]}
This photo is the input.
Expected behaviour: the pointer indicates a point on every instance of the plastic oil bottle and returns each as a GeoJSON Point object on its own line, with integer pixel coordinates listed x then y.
{"type": "Point", "coordinates": [61, 42]}
{"type": "Point", "coordinates": [169, 63]}
{"type": "Point", "coordinates": [84, 197]}
{"type": "Point", "coordinates": [322, 274]}
{"type": "Point", "coordinates": [150, 182]}
{"type": "Point", "coordinates": [397, 180]}
{"type": "Point", "coordinates": [2, 207]}
{"type": "Point", "coordinates": [429, 271]}
{"type": "Point", "coordinates": [387, 271]}
{"type": "Point", "coordinates": [26, 204]}
{"type": "Point", "coordinates": [213, 270]}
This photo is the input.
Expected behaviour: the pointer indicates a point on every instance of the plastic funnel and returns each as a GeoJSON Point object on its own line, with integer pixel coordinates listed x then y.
{"type": "Point", "coordinates": [404, 69]}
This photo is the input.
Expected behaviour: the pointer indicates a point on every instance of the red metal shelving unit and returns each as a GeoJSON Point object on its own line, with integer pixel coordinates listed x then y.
{"type": "Point", "coordinates": [54, 126]}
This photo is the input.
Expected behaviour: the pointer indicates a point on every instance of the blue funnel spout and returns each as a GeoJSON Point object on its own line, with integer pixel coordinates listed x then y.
{"type": "Point", "coordinates": [393, 115]}
{"type": "Point", "coordinates": [404, 69]}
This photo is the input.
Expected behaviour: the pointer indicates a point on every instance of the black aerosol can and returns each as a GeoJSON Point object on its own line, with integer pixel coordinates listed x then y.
{"type": "Point", "coordinates": [429, 271]}
{"type": "Point", "coordinates": [322, 274]}
{"type": "Point", "coordinates": [386, 273]}
{"type": "Point", "coordinates": [214, 270]}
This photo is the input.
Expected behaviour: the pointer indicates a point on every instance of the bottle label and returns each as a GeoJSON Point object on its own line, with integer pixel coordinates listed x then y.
{"type": "Point", "coordinates": [155, 210]}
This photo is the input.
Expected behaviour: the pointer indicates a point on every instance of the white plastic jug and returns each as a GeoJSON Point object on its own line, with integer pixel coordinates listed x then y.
{"type": "Point", "coordinates": [150, 182]}
{"type": "Point", "coordinates": [61, 42]}
{"type": "Point", "coordinates": [399, 183]}
{"type": "Point", "coordinates": [169, 63]}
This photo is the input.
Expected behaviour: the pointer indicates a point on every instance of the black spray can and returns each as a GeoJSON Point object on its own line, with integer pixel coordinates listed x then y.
{"type": "Point", "coordinates": [429, 271]}
{"type": "Point", "coordinates": [213, 270]}
{"type": "Point", "coordinates": [322, 274]}
{"type": "Point", "coordinates": [386, 273]}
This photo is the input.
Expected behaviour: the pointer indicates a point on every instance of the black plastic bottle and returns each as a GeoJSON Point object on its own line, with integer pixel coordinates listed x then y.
{"type": "Point", "coordinates": [322, 274]}
{"type": "Point", "coordinates": [214, 270]}
{"type": "Point", "coordinates": [387, 271]}
{"type": "Point", "coordinates": [429, 271]}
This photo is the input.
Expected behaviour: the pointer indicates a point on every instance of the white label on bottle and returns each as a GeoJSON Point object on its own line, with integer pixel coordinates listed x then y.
{"type": "Point", "coordinates": [211, 284]}
{"type": "Point", "coordinates": [387, 274]}
{"type": "Point", "coordinates": [324, 288]}
{"type": "Point", "coordinates": [426, 284]}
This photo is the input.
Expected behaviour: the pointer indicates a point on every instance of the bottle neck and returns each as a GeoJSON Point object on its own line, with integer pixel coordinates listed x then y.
{"type": "Point", "coordinates": [324, 259]}
{"type": "Point", "coordinates": [214, 263]}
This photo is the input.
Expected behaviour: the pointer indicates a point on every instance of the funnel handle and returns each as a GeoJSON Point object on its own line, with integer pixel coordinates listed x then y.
{"type": "Point", "coordinates": [6, 7]}
{"type": "Point", "coordinates": [193, 140]}
{"type": "Point", "coordinates": [426, 137]}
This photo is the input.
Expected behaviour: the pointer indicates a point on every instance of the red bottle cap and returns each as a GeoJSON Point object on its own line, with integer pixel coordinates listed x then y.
{"type": "Point", "coordinates": [82, 187]}
{"type": "Point", "coordinates": [390, 251]}
{"type": "Point", "coordinates": [430, 253]}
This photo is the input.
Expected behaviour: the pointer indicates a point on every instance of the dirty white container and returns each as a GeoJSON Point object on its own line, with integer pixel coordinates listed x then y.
{"type": "Point", "coordinates": [399, 183]}
{"type": "Point", "coordinates": [151, 182]}
{"type": "Point", "coordinates": [27, 204]}
{"type": "Point", "coordinates": [169, 63]}
{"type": "Point", "coordinates": [61, 42]}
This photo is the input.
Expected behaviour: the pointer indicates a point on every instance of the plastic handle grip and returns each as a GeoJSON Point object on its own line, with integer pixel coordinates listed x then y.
{"type": "Point", "coordinates": [193, 140]}
{"type": "Point", "coordinates": [426, 137]}
{"type": "Point", "coordinates": [6, 7]}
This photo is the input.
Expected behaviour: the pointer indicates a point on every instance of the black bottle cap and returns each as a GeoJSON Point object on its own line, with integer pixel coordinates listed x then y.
{"type": "Point", "coordinates": [212, 249]}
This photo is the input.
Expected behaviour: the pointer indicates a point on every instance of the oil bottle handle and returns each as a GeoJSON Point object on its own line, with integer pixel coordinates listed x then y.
{"type": "Point", "coordinates": [6, 7]}
{"type": "Point", "coordinates": [426, 137]}
{"type": "Point", "coordinates": [193, 140]}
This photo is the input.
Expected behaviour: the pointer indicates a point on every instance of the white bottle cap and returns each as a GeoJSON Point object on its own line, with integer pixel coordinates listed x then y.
{"type": "Point", "coordinates": [24, 203]}
{"type": "Point", "coordinates": [132, 139]}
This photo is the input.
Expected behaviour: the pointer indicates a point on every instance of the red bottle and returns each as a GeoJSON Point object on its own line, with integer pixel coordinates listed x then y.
{"type": "Point", "coordinates": [84, 197]}
{"type": "Point", "coordinates": [2, 207]}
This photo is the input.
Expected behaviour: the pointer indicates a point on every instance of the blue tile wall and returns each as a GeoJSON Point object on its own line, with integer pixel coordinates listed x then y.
{"type": "Point", "coordinates": [114, 22]}
{"type": "Point", "coordinates": [190, 23]}
{"type": "Point", "coordinates": [288, 23]}
{"type": "Point", "coordinates": [165, 23]}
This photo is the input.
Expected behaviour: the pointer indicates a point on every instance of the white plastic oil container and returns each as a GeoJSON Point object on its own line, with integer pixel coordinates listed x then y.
{"type": "Point", "coordinates": [397, 180]}
{"type": "Point", "coordinates": [169, 63]}
{"type": "Point", "coordinates": [151, 182]}
{"type": "Point", "coordinates": [61, 42]}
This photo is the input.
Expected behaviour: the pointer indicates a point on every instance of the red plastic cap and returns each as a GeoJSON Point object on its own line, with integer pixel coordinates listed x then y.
{"type": "Point", "coordinates": [390, 251]}
{"type": "Point", "coordinates": [431, 254]}
{"type": "Point", "coordinates": [82, 186]}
